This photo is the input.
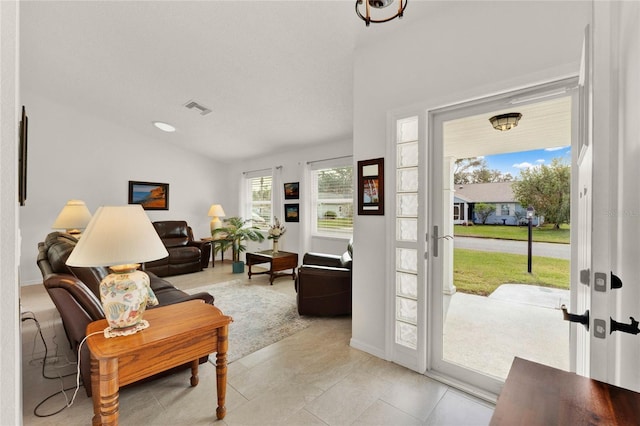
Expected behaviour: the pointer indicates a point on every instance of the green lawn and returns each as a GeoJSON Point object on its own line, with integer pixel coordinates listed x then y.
{"type": "Point", "coordinates": [545, 233]}
{"type": "Point", "coordinates": [480, 272]}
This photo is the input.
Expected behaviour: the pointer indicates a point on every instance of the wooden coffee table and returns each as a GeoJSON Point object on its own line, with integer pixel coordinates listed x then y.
{"type": "Point", "coordinates": [279, 261]}
{"type": "Point", "coordinates": [177, 334]}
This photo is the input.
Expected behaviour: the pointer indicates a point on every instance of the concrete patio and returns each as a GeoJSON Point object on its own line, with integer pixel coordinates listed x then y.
{"type": "Point", "coordinates": [486, 333]}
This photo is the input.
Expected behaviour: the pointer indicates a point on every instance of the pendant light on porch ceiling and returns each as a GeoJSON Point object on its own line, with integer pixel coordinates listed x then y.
{"type": "Point", "coordinates": [378, 4]}
{"type": "Point", "coordinates": [504, 122]}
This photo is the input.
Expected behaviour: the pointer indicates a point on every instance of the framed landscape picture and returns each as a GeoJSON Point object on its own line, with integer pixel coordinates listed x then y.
{"type": "Point", "coordinates": [292, 212]}
{"type": "Point", "coordinates": [371, 187]}
{"type": "Point", "coordinates": [151, 195]}
{"type": "Point", "coordinates": [292, 191]}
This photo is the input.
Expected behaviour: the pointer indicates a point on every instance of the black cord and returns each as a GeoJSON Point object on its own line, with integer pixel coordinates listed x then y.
{"type": "Point", "coordinates": [44, 363]}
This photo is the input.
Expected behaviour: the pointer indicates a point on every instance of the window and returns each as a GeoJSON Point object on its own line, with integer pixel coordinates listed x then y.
{"type": "Point", "coordinates": [260, 205]}
{"type": "Point", "coordinates": [458, 211]}
{"type": "Point", "coordinates": [504, 210]}
{"type": "Point", "coordinates": [332, 198]}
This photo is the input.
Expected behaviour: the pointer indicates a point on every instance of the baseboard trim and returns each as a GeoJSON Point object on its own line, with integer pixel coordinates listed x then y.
{"type": "Point", "coordinates": [377, 352]}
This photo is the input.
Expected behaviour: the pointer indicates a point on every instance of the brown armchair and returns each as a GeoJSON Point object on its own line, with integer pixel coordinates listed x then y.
{"type": "Point", "coordinates": [75, 293]}
{"type": "Point", "coordinates": [185, 254]}
{"type": "Point", "coordinates": [323, 284]}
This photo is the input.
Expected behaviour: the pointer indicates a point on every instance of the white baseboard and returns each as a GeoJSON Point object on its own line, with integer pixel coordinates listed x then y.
{"type": "Point", "coordinates": [377, 352]}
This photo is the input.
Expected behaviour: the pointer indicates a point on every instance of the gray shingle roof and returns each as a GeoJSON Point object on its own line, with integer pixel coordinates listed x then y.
{"type": "Point", "coordinates": [498, 192]}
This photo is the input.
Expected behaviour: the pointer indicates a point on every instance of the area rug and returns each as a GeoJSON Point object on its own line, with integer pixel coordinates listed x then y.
{"type": "Point", "coordinates": [261, 315]}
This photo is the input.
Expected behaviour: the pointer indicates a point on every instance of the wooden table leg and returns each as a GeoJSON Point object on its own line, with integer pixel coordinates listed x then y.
{"type": "Point", "coordinates": [194, 372]}
{"type": "Point", "coordinates": [221, 370]}
{"type": "Point", "coordinates": [104, 388]}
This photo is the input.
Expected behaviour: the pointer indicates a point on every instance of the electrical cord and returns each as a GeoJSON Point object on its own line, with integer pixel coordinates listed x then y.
{"type": "Point", "coordinates": [44, 362]}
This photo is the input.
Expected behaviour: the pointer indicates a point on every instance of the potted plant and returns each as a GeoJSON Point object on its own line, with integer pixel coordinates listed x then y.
{"type": "Point", "coordinates": [237, 230]}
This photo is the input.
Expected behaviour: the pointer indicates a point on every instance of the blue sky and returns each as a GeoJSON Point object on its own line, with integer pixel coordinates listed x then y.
{"type": "Point", "coordinates": [515, 161]}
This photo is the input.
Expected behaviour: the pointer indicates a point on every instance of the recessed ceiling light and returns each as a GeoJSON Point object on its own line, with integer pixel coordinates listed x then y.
{"type": "Point", "coordinates": [164, 126]}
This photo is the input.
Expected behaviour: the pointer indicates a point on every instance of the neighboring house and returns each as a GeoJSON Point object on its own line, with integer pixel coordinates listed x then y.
{"type": "Point", "coordinates": [499, 194]}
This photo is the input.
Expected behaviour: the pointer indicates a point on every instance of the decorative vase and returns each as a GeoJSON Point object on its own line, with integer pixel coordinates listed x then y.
{"type": "Point", "coordinates": [275, 246]}
{"type": "Point", "coordinates": [125, 294]}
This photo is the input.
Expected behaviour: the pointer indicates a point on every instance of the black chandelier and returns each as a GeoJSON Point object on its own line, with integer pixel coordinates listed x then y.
{"type": "Point", "coordinates": [378, 4]}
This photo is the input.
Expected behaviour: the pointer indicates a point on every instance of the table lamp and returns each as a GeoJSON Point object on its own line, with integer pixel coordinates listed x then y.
{"type": "Point", "coordinates": [74, 217]}
{"type": "Point", "coordinates": [216, 212]}
{"type": "Point", "coordinates": [121, 237]}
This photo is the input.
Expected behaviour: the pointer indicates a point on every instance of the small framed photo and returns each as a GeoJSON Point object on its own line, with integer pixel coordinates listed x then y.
{"type": "Point", "coordinates": [292, 191]}
{"type": "Point", "coordinates": [292, 212]}
{"type": "Point", "coordinates": [371, 187]}
{"type": "Point", "coordinates": [151, 195]}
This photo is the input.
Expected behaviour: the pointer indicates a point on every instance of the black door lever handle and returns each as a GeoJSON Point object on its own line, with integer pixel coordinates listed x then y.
{"type": "Point", "coordinates": [582, 319]}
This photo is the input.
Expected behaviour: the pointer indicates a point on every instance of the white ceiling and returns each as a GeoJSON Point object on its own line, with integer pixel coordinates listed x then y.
{"type": "Point", "coordinates": [276, 74]}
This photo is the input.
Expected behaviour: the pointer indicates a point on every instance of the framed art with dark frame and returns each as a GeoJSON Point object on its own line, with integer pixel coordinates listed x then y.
{"type": "Point", "coordinates": [292, 212]}
{"type": "Point", "coordinates": [151, 195]}
{"type": "Point", "coordinates": [22, 158]}
{"type": "Point", "coordinates": [371, 187]}
{"type": "Point", "coordinates": [292, 191]}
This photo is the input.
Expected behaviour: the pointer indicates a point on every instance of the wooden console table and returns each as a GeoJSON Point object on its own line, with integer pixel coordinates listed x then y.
{"type": "Point", "coordinates": [279, 261]}
{"type": "Point", "coordinates": [535, 394]}
{"type": "Point", "coordinates": [177, 334]}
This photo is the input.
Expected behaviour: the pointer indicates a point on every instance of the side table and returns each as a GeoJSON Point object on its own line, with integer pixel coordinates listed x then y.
{"type": "Point", "coordinates": [279, 261]}
{"type": "Point", "coordinates": [213, 242]}
{"type": "Point", "coordinates": [177, 334]}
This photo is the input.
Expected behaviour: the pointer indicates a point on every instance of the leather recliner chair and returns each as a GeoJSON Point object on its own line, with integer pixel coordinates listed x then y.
{"type": "Point", "coordinates": [185, 254]}
{"type": "Point", "coordinates": [323, 284]}
{"type": "Point", "coordinates": [75, 293]}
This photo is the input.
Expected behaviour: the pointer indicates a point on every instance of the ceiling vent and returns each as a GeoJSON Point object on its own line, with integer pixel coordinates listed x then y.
{"type": "Point", "coordinates": [194, 105]}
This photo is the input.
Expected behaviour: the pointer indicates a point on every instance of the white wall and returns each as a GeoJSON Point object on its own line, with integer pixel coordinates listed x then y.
{"type": "Point", "coordinates": [76, 155]}
{"type": "Point", "coordinates": [626, 42]}
{"type": "Point", "coordinates": [10, 354]}
{"type": "Point", "coordinates": [466, 50]}
{"type": "Point", "coordinates": [292, 161]}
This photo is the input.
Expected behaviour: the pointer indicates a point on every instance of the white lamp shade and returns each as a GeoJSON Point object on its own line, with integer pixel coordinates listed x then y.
{"type": "Point", "coordinates": [118, 235]}
{"type": "Point", "coordinates": [216, 210]}
{"type": "Point", "coordinates": [74, 215]}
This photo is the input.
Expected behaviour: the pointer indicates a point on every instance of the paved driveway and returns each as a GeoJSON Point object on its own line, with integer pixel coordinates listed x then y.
{"type": "Point", "coordinates": [560, 251]}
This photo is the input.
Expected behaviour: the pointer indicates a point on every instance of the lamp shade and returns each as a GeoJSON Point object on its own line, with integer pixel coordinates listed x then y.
{"type": "Point", "coordinates": [74, 215]}
{"type": "Point", "coordinates": [216, 210]}
{"type": "Point", "coordinates": [118, 235]}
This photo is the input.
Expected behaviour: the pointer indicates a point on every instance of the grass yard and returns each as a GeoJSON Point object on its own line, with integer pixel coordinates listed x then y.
{"type": "Point", "coordinates": [480, 272]}
{"type": "Point", "coordinates": [545, 233]}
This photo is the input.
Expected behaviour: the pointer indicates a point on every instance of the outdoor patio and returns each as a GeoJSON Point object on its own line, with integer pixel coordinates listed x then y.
{"type": "Point", "coordinates": [486, 333]}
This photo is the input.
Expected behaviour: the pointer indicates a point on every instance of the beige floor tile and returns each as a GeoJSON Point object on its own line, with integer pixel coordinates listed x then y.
{"type": "Point", "coordinates": [458, 409]}
{"type": "Point", "coordinates": [383, 414]}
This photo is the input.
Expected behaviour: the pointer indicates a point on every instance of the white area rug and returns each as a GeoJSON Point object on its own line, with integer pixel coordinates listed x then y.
{"type": "Point", "coordinates": [261, 315]}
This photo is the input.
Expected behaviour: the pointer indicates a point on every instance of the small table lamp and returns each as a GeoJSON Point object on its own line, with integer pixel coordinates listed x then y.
{"type": "Point", "coordinates": [73, 217]}
{"type": "Point", "coordinates": [216, 212]}
{"type": "Point", "coordinates": [121, 237]}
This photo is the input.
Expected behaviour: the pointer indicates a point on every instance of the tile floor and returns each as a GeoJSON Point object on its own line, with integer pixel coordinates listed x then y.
{"type": "Point", "coordinates": [311, 378]}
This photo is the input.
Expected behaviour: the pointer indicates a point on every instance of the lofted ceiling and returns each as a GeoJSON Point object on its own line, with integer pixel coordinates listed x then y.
{"type": "Point", "coordinates": [276, 75]}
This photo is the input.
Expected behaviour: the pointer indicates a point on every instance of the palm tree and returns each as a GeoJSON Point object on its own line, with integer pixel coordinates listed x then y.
{"type": "Point", "coordinates": [236, 231]}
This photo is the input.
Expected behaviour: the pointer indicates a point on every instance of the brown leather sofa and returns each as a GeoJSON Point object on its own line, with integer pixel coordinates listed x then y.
{"type": "Point", "coordinates": [75, 292]}
{"type": "Point", "coordinates": [323, 284]}
{"type": "Point", "coordinates": [185, 254]}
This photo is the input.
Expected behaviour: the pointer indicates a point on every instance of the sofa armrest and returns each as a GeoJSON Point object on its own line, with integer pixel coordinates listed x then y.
{"type": "Point", "coordinates": [321, 259]}
{"type": "Point", "coordinates": [323, 290]}
{"type": "Point", "coordinates": [205, 251]}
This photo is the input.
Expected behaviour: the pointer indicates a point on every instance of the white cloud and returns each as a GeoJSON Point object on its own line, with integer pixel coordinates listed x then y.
{"type": "Point", "coordinates": [557, 148]}
{"type": "Point", "coordinates": [523, 165]}
{"type": "Point", "coordinates": [540, 161]}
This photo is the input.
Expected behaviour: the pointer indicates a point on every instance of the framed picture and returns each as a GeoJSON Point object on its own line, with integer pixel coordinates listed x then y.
{"type": "Point", "coordinates": [152, 195]}
{"type": "Point", "coordinates": [292, 212]}
{"type": "Point", "coordinates": [371, 187]}
{"type": "Point", "coordinates": [22, 158]}
{"type": "Point", "coordinates": [292, 191]}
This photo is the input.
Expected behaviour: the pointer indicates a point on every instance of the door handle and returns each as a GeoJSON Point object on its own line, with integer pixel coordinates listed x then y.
{"type": "Point", "coordinates": [631, 328]}
{"type": "Point", "coordinates": [582, 319]}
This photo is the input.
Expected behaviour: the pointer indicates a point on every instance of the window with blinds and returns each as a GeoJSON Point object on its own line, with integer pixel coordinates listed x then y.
{"type": "Point", "coordinates": [332, 200]}
{"type": "Point", "coordinates": [260, 188]}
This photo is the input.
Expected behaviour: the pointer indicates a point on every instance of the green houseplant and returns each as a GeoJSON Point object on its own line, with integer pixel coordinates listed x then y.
{"type": "Point", "coordinates": [237, 230]}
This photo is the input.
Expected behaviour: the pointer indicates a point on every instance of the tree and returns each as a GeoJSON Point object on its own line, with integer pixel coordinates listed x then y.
{"type": "Point", "coordinates": [547, 189]}
{"type": "Point", "coordinates": [475, 170]}
{"type": "Point", "coordinates": [483, 211]}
